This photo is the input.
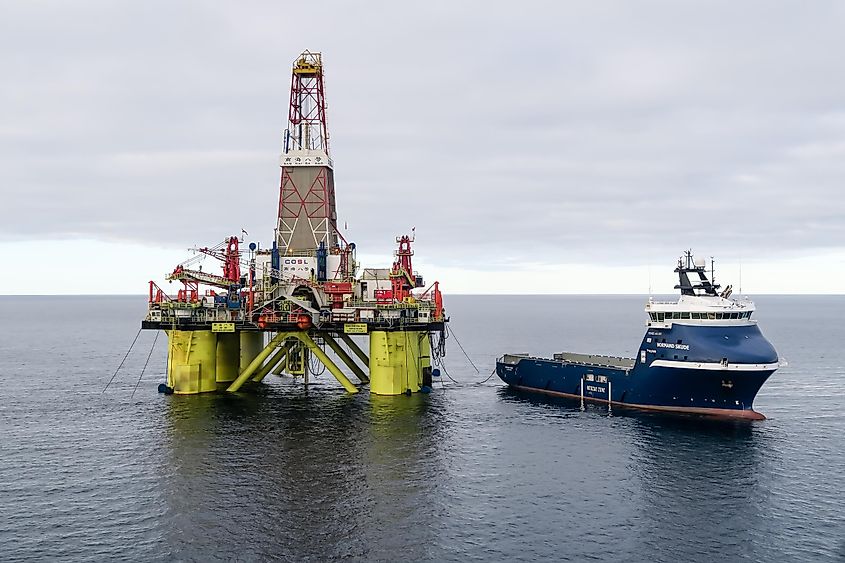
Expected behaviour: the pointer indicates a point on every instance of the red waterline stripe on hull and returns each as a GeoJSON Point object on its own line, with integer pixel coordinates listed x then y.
{"type": "Point", "coordinates": [746, 414]}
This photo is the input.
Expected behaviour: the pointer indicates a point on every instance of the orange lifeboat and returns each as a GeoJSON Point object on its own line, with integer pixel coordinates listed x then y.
{"type": "Point", "coordinates": [303, 322]}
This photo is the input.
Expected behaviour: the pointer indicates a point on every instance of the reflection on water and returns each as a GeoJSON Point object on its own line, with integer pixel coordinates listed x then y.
{"type": "Point", "coordinates": [703, 476]}
{"type": "Point", "coordinates": [292, 472]}
{"type": "Point", "coordinates": [698, 479]}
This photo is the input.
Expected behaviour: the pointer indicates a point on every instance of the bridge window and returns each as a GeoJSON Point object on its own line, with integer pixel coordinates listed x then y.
{"type": "Point", "coordinates": [696, 315]}
{"type": "Point", "coordinates": [684, 315]}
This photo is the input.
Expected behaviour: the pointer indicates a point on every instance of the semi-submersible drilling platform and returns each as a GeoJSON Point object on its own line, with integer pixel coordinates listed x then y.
{"type": "Point", "coordinates": [275, 310]}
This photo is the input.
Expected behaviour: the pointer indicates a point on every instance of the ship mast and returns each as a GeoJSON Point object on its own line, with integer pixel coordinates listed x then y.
{"type": "Point", "coordinates": [686, 266]}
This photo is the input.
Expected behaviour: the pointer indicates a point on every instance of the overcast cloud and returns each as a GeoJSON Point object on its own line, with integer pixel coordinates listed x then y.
{"type": "Point", "coordinates": [548, 132]}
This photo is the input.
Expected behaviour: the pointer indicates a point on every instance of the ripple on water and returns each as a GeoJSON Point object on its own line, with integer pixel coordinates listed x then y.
{"type": "Point", "coordinates": [471, 472]}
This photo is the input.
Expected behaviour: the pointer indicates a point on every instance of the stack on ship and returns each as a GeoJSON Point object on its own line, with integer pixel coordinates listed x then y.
{"type": "Point", "coordinates": [282, 309]}
{"type": "Point", "coordinates": [702, 354]}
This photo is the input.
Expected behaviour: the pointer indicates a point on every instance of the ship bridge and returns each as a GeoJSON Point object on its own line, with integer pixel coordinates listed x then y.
{"type": "Point", "coordinates": [699, 302]}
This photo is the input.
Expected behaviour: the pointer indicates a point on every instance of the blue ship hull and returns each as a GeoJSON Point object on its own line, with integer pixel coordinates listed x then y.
{"type": "Point", "coordinates": [710, 370]}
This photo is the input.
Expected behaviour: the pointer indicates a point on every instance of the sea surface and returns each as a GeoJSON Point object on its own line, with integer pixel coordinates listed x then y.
{"type": "Point", "coordinates": [472, 472]}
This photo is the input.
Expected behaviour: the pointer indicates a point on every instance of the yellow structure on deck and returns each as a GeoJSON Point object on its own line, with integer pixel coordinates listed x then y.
{"type": "Point", "coordinates": [200, 361]}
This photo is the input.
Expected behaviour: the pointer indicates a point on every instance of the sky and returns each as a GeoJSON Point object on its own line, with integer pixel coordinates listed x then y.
{"type": "Point", "coordinates": [535, 147]}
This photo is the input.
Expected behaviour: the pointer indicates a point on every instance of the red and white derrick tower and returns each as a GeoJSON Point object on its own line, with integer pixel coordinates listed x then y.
{"type": "Point", "coordinates": [307, 210]}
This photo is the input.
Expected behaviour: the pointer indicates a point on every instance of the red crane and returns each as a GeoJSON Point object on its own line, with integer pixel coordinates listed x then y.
{"type": "Point", "coordinates": [402, 278]}
{"type": "Point", "coordinates": [231, 257]}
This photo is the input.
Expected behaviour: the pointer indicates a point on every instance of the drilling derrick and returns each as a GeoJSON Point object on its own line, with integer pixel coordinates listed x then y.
{"type": "Point", "coordinates": [307, 212]}
{"type": "Point", "coordinates": [281, 309]}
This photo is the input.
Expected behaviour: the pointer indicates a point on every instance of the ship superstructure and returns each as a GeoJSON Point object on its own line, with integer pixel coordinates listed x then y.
{"type": "Point", "coordinates": [701, 354]}
{"type": "Point", "coordinates": [272, 308]}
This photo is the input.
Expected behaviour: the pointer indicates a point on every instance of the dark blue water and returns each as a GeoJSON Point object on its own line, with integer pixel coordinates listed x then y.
{"type": "Point", "coordinates": [471, 472]}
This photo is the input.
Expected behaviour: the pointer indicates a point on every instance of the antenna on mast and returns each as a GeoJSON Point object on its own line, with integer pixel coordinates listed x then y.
{"type": "Point", "coordinates": [649, 280]}
{"type": "Point", "coordinates": [712, 271]}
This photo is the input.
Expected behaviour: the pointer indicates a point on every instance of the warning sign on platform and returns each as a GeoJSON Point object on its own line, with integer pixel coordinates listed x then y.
{"type": "Point", "coordinates": [222, 327]}
{"type": "Point", "coordinates": [355, 328]}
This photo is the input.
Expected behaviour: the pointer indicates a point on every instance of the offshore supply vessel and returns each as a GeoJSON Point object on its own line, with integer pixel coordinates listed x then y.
{"type": "Point", "coordinates": [702, 354]}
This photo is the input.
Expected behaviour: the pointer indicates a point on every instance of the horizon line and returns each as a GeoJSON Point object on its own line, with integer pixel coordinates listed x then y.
{"type": "Point", "coordinates": [444, 293]}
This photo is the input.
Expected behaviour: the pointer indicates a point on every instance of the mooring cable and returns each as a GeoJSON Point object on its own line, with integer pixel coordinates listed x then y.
{"type": "Point", "coordinates": [320, 368]}
{"type": "Point", "coordinates": [123, 360]}
{"type": "Point", "coordinates": [492, 373]}
{"type": "Point", "coordinates": [442, 365]}
{"type": "Point", "coordinates": [452, 333]}
{"type": "Point", "coordinates": [140, 377]}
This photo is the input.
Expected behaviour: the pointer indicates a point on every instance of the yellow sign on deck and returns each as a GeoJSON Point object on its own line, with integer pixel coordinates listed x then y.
{"type": "Point", "coordinates": [222, 327]}
{"type": "Point", "coordinates": [355, 328]}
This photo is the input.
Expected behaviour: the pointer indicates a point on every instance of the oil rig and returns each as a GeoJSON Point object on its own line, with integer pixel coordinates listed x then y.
{"type": "Point", "coordinates": [281, 309]}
